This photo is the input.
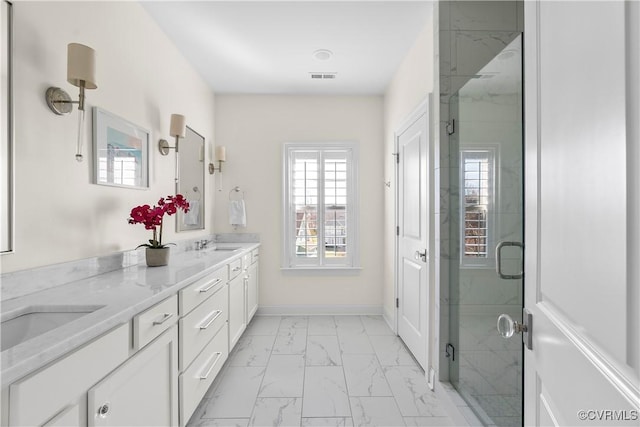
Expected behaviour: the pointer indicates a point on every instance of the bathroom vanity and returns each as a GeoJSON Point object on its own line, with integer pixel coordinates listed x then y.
{"type": "Point", "coordinates": [134, 346]}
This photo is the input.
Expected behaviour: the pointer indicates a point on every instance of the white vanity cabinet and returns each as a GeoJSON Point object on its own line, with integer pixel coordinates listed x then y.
{"type": "Point", "coordinates": [237, 318]}
{"type": "Point", "coordinates": [53, 394]}
{"type": "Point", "coordinates": [141, 392]}
{"type": "Point", "coordinates": [152, 370]}
{"type": "Point", "coordinates": [251, 281]}
{"type": "Point", "coordinates": [204, 332]}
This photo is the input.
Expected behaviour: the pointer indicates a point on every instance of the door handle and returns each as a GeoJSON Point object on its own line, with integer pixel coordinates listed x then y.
{"type": "Point", "coordinates": [420, 256]}
{"type": "Point", "coordinates": [499, 261]}
{"type": "Point", "coordinates": [507, 327]}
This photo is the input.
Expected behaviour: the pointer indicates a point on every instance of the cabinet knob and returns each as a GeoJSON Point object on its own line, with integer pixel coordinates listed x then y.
{"type": "Point", "coordinates": [103, 411]}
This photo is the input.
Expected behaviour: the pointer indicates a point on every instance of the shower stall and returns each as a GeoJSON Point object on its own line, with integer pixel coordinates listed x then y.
{"type": "Point", "coordinates": [486, 238]}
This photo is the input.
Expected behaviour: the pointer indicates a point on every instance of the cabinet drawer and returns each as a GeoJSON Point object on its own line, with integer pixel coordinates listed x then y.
{"type": "Point", "coordinates": [45, 393]}
{"type": "Point", "coordinates": [200, 290]}
{"type": "Point", "coordinates": [199, 326]}
{"type": "Point", "coordinates": [197, 379]}
{"type": "Point", "coordinates": [151, 323]}
{"type": "Point", "coordinates": [235, 268]}
{"type": "Point", "coordinates": [255, 255]}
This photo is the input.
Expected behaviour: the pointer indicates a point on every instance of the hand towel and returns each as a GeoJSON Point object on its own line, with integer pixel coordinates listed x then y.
{"type": "Point", "coordinates": [193, 216]}
{"type": "Point", "coordinates": [237, 213]}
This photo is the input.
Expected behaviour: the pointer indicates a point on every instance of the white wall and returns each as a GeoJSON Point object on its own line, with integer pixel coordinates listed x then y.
{"type": "Point", "coordinates": [253, 128]}
{"type": "Point", "coordinates": [411, 84]}
{"type": "Point", "coordinates": [60, 214]}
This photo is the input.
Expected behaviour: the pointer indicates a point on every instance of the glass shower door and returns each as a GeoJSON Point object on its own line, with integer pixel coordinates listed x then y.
{"type": "Point", "coordinates": [487, 212]}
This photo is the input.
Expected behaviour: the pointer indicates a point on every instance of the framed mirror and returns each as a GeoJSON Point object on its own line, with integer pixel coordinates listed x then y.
{"type": "Point", "coordinates": [6, 129]}
{"type": "Point", "coordinates": [191, 181]}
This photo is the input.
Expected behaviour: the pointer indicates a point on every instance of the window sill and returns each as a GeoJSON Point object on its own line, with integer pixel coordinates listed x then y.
{"type": "Point", "coordinates": [321, 271]}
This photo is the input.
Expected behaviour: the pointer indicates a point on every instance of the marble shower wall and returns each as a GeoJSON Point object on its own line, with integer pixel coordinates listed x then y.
{"type": "Point", "coordinates": [471, 33]}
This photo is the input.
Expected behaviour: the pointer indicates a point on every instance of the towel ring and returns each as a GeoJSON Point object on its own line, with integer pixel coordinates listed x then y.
{"type": "Point", "coordinates": [236, 189]}
{"type": "Point", "coordinates": [197, 191]}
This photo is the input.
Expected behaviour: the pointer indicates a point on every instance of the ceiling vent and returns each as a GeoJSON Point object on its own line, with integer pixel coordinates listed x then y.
{"type": "Point", "coordinates": [323, 76]}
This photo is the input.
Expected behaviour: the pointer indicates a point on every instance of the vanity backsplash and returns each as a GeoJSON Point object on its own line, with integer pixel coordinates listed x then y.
{"type": "Point", "coordinates": [24, 282]}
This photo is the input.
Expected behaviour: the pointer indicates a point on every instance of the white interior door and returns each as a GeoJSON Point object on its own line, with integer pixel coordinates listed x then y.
{"type": "Point", "coordinates": [412, 270]}
{"type": "Point", "coordinates": [582, 217]}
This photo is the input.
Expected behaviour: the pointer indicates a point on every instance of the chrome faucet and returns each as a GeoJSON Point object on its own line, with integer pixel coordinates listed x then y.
{"type": "Point", "coordinates": [201, 244]}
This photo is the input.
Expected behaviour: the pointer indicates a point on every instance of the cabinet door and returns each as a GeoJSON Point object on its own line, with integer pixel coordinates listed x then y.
{"type": "Point", "coordinates": [237, 318]}
{"type": "Point", "coordinates": [141, 392]}
{"type": "Point", "coordinates": [252, 291]}
{"type": "Point", "coordinates": [42, 395]}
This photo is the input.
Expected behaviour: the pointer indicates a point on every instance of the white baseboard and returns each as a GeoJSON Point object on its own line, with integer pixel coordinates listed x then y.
{"type": "Point", "coordinates": [389, 318]}
{"type": "Point", "coordinates": [307, 310]}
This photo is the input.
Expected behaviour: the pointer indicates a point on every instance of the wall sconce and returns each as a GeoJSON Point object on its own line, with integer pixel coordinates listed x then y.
{"type": "Point", "coordinates": [177, 129]}
{"type": "Point", "coordinates": [81, 72]}
{"type": "Point", "coordinates": [221, 155]}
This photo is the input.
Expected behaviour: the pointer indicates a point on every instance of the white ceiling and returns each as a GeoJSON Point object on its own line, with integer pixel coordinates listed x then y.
{"type": "Point", "coordinates": [267, 46]}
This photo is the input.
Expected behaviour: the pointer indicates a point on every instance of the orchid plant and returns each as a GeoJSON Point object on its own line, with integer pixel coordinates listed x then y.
{"type": "Point", "coordinates": [152, 217]}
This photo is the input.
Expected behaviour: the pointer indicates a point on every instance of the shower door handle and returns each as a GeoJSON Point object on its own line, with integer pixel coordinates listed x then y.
{"type": "Point", "coordinates": [499, 261]}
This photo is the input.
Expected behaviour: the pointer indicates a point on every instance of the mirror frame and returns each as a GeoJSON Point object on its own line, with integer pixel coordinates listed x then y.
{"type": "Point", "coordinates": [7, 214]}
{"type": "Point", "coordinates": [188, 192]}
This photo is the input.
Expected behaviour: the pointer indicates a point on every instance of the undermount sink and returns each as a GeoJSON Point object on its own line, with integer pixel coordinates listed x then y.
{"type": "Point", "coordinates": [225, 249]}
{"type": "Point", "coordinates": [25, 323]}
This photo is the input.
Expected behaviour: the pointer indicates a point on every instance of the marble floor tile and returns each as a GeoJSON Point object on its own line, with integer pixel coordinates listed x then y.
{"type": "Point", "coordinates": [277, 411]}
{"type": "Point", "coordinates": [329, 371]}
{"type": "Point", "coordinates": [375, 411]}
{"type": "Point", "coordinates": [284, 376]}
{"type": "Point", "coordinates": [351, 324]}
{"type": "Point", "coordinates": [322, 325]}
{"type": "Point", "coordinates": [328, 422]}
{"type": "Point", "coordinates": [325, 392]}
{"type": "Point", "coordinates": [323, 350]}
{"type": "Point", "coordinates": [221, 422]}
{"type": "Point", "coordinates": [376, 325]}
{"type": "Point", "coordinates": [507, 421]}
{"type": "Point", "coordinates": [391, 350]}
{"type": "Point", "coordinates": [293, 322]}
{"type": "Point", "coordinates": [354, 343]}
{"type": "Point", "coordinates": [412, 392]}
{"type": "Point", "coordinates": [263, 325]}
{"type": "Point", "coordinates": [291, 341]}
{"type": "Point", "coordinates": [252, 350]}
{"type": "Point", "coordinates": [235, 395]}
{"type": "Point", "coordinates": [364, 375]}
{"type": "Point", "coordinates": [496, 406]}
{"type": "Point", "coordinates": [428, 421]}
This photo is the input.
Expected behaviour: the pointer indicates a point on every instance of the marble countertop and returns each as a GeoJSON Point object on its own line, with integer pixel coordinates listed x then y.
{"type": "Point", "coordinates": [121, 294]}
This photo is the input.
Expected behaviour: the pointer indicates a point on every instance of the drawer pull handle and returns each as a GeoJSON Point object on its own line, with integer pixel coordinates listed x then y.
{"type": "Point", "coordinates": [235, 269]}
{"type": "Point", "coordinates": [214, 316]}
{"type": "Point", "coordinates": [209, 286]}
{"type": "Point", "coordinates": [165, 317]}
{"type": "Point", "coordinates": [208, 371]}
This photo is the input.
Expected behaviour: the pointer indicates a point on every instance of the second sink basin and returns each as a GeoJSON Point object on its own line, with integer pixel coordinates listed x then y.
{"type": "Point", "coordinates": [28, 322]}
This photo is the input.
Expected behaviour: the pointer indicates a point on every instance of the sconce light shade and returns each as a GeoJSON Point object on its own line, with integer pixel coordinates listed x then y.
{"type": "Point", "coordinates": [221, 156]}
{"type": "Point", "coordinates": [81, 65]}
{"type": "Point", "coordinates": [221, 153]}
{"type": "Point", "coordinates": [178, 125]}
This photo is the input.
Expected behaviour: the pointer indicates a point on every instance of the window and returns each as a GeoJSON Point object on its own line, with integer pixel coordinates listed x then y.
{"type": "Point", "coordinates": [319, 205]}
{"type": "Point", "coordinates": [477, 170]}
